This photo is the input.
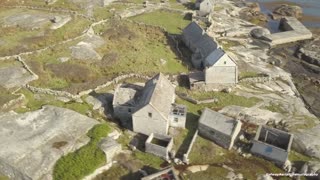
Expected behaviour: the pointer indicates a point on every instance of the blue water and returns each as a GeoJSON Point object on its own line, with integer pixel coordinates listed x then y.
{"type": "Point", "coordinates": [310, 8]}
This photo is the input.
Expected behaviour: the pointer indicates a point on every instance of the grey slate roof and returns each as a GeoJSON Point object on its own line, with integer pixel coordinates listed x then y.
{"type": "Point", "coordinates": [217, 121]}
{"type": "Point", "coordinates": [126, 94]}
{"type": "Point", "coordinates": [159, 92]}
{"type": "Point", "coordinates": [206, 45]}
{"type": "Point", "coordinates": [193, 32]}
{"type": "Point", "coordinates": [214, 57]}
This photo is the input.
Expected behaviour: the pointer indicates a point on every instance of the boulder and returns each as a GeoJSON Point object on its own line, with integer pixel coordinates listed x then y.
{"type": "Point", "coordinates": [308, 142]}
{"type": "Point", "coordinates": [288, 10]}
{"type": "Point", "coordinates": [259, 33]}
{"type": "Point", "coordinates": [15, 76]}
{"type": "Point", "coordinates": [311, 167]}
{"type": "Point", "coordinates": [84, 51]}
{"type": "Point", "coordinates": [32, 142]}
{"type": "Point", "coordinates": [310, 52]}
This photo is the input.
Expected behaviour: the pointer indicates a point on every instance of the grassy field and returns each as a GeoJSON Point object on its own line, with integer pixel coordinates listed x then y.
{"type": "Point", "coordinates": [85, 160]}
{"type": "Point", "coordinates": [172, 22]}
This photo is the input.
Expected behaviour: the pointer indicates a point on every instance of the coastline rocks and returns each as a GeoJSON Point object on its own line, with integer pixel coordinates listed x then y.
{"type": "Point", "coordinates": [253, 14]}
{"type": "Point", "coordinates": [287, 10]}
{"type": "Point", "coordinates": [259, 33]}
{"type": "Point", "coordinates": [310, 52]}
{"type": "Point", "coordinates": [308, 142]}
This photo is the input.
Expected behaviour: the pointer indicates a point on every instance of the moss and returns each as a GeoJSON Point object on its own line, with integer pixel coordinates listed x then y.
{"type": "Point", "coordinates": [85, 160]}
{"type": "Point", "coordinates": [149, 159]}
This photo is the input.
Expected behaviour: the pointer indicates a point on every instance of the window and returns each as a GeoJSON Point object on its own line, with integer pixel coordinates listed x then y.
{"type": "Point", "coordinates": [176, 119]}
{"type": "Point", "coordinates": [129, 110]}
{"type": "Point", "coordinates": [150, 115]}
{"type": "Point", "coordinates": [225, 62]}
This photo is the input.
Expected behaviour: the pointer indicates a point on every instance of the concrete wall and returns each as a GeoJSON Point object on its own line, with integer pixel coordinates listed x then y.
{"type": "Point", "coordinates": [144, 124]}
{"type": "Point", "coordinates": [235, 133]}
{"type": "Point", "coordinates": [269, 152]}
{"type": "Point", "coordinates": [186, 155]}
{"type": "Point", "coordinates": [157, 149]}
{"type": "Point", "coordinates": [216, 136]}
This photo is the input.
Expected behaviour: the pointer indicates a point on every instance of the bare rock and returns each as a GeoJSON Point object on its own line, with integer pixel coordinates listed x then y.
{"type": "Point", "coordinates": [84, 51]}
{"type": "Point", "coordinates": [259, 33]}
{"type": "Point", "coordinates": [14, 77]}
{"type": "Point", "coordinates": [311, 167]}
{"type": "Point", "coordinates": [32, 142]}
{"type": "Point", "coordinates": [288, 10]}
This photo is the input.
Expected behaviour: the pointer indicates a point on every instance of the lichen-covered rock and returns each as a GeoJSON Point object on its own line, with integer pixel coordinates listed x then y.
{"type": "Point", "coordinates": [308, 142]}
{"type": "Point", "coordinates": [288, 10]}
{"type": "Point", "coordinates": [32, 142]}
{"type": "Point", "coordinates": [259, 33]}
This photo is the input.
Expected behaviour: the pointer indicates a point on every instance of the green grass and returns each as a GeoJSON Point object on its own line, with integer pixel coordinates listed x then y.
{"type": "Point", "coordinates": [295, 156]}
{"type": "Point", "coordinates": [149, 159]}
{"type": "Point", "coordinates": [85, 160]}
{"type": "Point", "coordinates": [274, 107]}
{"type": "Point", "coordinates": [6, 96]}
{"type": "Point", "coordinates": [250, 74]}
{"type": "Point", "coordinates": [34, 103]}
{"type": "Point", "coordinates": [224, 99]}
{"type": "Point", "coordinates": [115, 172]}
{"type": "Point", "coordinates": [172, 22]}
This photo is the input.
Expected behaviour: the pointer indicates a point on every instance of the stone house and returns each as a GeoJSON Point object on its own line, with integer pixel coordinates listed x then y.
{"type": "Point", "coordinates": [221, 129]}
{"type": "Point", "coordinates": [159, 145]}
{"type": "Point", "coordinates": [215, 68]}
{"type": "Point", "coordinates": [205, 7]}
{"type": "Point", "coordinates": [273, 144]}
{"type": "Point", "coordinates": [164, 174]}
{"type": "Point", "coordinates": [150, 109]}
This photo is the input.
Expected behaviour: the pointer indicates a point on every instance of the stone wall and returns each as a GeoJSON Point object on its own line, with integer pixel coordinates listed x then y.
{"type": "Point", "coordinates": [195, 101]}
{"type": "Point", "coordinates": [186, 155]}
{"type": "Point", "coordinates": [214, 135]}
{"type": "Point", "coordinates": [157, 149]}
{"type": "Point", "coordinates": [13, 103]}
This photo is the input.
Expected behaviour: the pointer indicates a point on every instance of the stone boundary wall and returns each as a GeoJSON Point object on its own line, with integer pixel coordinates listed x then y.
{"type": "Point", "coordinates": [27, 67]}
{"type": "Point", "coordinates": [186, 155]}
{"type": "Point", "coordinates": [257, 79]}
{"type": "Point", "coordinates": [13, 102]}
{"type": "Point", "coordinates": [194, 101]}
{"type": "Point", "coordinates": [82, 93]}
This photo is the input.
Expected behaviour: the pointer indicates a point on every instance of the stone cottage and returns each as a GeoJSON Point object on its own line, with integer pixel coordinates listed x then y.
{"type": "Point", "coordinates": [205, 7]}
{"type": "Point", "coordinates": [221, 129]}
{"type": "Point", "coordinates": [272, 144]}
{"type": "Point", "coordinates": [215, 69]}
{"type": "Point", "coordinates": [150, 109]}
{"type": "Point", "coordinates": [159, 145]}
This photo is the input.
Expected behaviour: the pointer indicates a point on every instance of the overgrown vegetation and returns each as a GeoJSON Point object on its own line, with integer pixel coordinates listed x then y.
{"type": "Point", "coordinates": [85, 160]}
{"type": "Point", "coordinates": [276, 107]}
{"type": "Point", "coordinates": [172, 22]}
{"type": "Point", "coordinates": [250, 74]}
{"type": "Point", "coordinates": [149, 159]}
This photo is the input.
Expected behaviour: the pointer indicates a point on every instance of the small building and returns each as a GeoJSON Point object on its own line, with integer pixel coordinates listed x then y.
{"type": "Point", "coordinates": [273, 144]}
{"type": "Point", "coordinates": [110, 147]}
{"type": "Point", "coordinates": [221, 129]}
{"type": "Point", "coordinates": [125, 101]}
{"type": "Point", "coordinates": [164, 174]}
{"type": "Point", "coordinates": [215, 68]}
{"type": "Point", "coordinates": [205, 6]}
{"type": "Point", "coordinates": [149, 109]}
{"type": "Point", "coordinates": [159, 145]}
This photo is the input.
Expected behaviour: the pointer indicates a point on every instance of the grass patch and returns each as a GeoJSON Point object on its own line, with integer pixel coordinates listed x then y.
{"type": "Point", "coordinates": [85, 160]}
{"type": "Point", "coordinates": [149, 159]}
{"type": "Point", "coordinates": [250, 74]}
{"type": "Point", "coordinates": [172, 22]}
{"type": "Point", "coordinates": [36, 102]}
{"type": "Point", "coordinates": [224, 99]}
{"type": "Point", "coordinates": [227, 44]}
{"type": "Point", "coordinates": [274, 107]}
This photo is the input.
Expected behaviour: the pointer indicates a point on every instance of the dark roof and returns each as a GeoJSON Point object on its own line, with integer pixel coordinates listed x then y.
{"type": "Point", "coordinates": [193, 32]}
{"type": "Point", "coordinates": [214, 57]}
{"type": "Point", "coordinates": [206, 45]}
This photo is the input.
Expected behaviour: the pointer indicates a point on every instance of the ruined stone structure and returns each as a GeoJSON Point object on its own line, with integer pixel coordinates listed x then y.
{"type": "Point", "coordinates": [221, 129]}
{"type": "Point", "coordinates": [216, 69]}
{"type": "Point", "coordinates": [165, 174]}
{"type": "Point", "coordinates": [272, 144]}
{"type": "Point", "coordinates": [110, 147]}
{"type": "Point", "coordinates": [159, 145]}
{"type": "Point", "coordinates": [293, 29]}
{"type": "Point", "coordinates": [150, 109]}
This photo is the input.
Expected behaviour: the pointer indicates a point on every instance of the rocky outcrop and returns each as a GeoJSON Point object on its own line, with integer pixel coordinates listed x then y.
{"type": "Point", "coordinates": [308, 142]}
{"type": "Point", "coordinates": [32, 142]}
{"type": "Point", "coordinates": [287, 10]}
{"type": "Point", "coordinates": [312, 167]}
{"type": "Point", "coordinates": [15, 76]}
{"type": "Point", "coordinates": [259, 33]}
{"type": "Point", "coordinates": [253, 14]}
{"type": "Point", "coordinates": [310, 52]}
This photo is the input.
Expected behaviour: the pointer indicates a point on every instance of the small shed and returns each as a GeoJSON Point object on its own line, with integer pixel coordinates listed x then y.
{"type": "Point", "coordinates": [159, 145]}
{"type": "Point", "coordinates": [221, 129]}
{"type": "Point", "coordinates": [273, 144]}
{"type": "Point", "coordinates": [205, 6]}
{"type": "Point", "coordinates": [110, 147]}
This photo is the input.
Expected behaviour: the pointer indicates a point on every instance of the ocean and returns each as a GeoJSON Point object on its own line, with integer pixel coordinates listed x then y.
{"type": "Point", "coordinates": [311, 10]}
